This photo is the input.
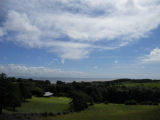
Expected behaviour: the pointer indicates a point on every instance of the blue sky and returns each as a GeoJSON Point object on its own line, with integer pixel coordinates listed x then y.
{"type": "Point", "coordinates": [82, 38]}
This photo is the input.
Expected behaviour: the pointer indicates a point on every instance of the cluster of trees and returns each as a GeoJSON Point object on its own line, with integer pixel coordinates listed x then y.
{"type": "Point", "coordinates": [14, 91]}
{"type": "Point", "coordinates": [84, 94]}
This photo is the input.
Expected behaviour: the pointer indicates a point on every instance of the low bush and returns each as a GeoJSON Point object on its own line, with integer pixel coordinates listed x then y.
{"type": "Point", "coordinates": [155, 103]}
{"type": "Point", "coordinates": [147, 103]}
{"type": "Point", "coordinates": [106, 102]}
{"type": "Point", "coordinates": [130, 102]}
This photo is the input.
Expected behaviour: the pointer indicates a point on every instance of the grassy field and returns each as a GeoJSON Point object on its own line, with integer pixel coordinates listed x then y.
{"type": "Point", "coordinates": [41, 104]}
{"type": "Point", "coordinates": [113, 112]}
{"type": "Point", "coordinates": [149, 84]}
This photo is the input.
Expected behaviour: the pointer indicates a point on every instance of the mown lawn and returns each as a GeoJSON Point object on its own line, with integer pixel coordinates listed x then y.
{"type": "Point", "coordinates": [113, 112]}
{"type": "Point", "coordinates": [41, 104]}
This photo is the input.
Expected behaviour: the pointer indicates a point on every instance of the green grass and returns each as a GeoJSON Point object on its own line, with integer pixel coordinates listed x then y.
{"type": "Point", "coordinates": [113, 112]}
{"type": "Point", "coordinates": [41, 104]}
{"type": "Point", "coordinates": [149, 84]}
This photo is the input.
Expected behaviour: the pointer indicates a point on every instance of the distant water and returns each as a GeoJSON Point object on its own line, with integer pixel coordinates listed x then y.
{"type": "Point", "coordinates": [54, 79]}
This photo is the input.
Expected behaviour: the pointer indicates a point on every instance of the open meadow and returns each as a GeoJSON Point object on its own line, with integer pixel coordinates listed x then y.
{"type": "Point", "coordinates": [147, 84]}
{"type": "Point", "coordinates": [41, 104]}
{"type": "Point", "coordinates": [113, 112]}
{"type": "Point", "coordinates": [88, 100]}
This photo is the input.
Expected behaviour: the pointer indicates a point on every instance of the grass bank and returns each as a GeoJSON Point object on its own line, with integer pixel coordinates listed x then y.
{"type": "Point", "coordinates": [41, 104]}
{"type": "Point", "coordinates": [148, 84]}
{"type": "Point", "coordinates": [113, 112]}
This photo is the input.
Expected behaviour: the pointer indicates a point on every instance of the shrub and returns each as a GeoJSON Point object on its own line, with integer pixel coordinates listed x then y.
{"type": "Point", "coordinates": [155, 103]}
{"type": "Point", "coordinates": [146, 103]}
{"type": "Point", "coordinates": [45, 114]}
{"type": "Point", "coordinates": [106, 102]}
{"type": "Point", "coordinates": [130, 102]}
{"type": "Point", "coordinates": [80, 100]}
{"type": "Point", "coordinates": [37, 91]}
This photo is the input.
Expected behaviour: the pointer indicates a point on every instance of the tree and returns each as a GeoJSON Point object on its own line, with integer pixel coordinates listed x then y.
{"type": "Point", "coordinates": [25, 89]}
{"type": "Point", "coordinates": [37, 91]}
{"type": "Point", "coordinates": [80, 100]}
{"type": "Point", "coordinates": [10, 95]}
{"type": "Point", "coordinates": [5, 86]}
{"type": "Point", "coordinates": [14, 96]}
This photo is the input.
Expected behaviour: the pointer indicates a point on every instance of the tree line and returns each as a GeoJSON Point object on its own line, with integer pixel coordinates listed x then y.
{"type": "Point", "coordinates": [14, 91]}
{"type": "Point", "coordinates": [84, 94]}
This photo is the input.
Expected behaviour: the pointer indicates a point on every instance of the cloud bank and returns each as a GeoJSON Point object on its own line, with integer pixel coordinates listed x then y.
{"type": "Point", "coordinates": [153, 57]}
{"type": "Point", "coordinates": [22, 70]}
{"type": "Point", "coordinates": [72, 29]}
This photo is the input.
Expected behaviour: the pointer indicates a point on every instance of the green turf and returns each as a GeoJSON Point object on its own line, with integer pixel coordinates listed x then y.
{"type": "Point", "coordinates": [41, 104]}
{"type": "Point", "coordinates": [113, 112]}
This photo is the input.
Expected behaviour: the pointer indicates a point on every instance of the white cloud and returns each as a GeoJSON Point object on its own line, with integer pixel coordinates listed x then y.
{"type": "Point", "coordinates": [70, 50]}
{"type": "Point", "coordinates": [30, 35]}
{"type": "Point", "coordinates": [23, 31]}
{"type": "Point", "coordinates": [116, 61]}
{"type": "Point", "coordinates": [22, 70]}
{"type": "Point", "coordinates": [95, 67]}
{"type": "Point", "coordinates": [72, 29]}
{"type": "Point", "coordinates": [1, 32]}
{"type": "Point", "coordinates": [153, 57]}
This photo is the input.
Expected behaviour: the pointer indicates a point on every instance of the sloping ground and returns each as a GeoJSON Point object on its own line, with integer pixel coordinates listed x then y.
{"type": "Point", "coordinates": [148, 84]}
{"type": "Point", "coordinates": [113, 112]}
{"type": "Point", "coordinates": [41, 104]}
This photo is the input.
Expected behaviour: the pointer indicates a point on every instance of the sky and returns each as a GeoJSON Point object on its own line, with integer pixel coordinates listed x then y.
{"type": "Point", "coordinates": [80, 38]}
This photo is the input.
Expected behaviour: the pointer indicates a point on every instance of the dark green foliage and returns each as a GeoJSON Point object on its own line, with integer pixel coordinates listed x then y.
{"type": "Point", "coordinates": [25, 88]}
{"type": "Point", "coordinates": [146, 103]}
{"type": "Point", "coordinates": [36, 91]}
{"type": "Point", "coordinates": [5, 86]}
{"type": "Point", "coordinates": [130, 102]}
{"type": "Point", "coordinates": [14, 91]}
{"type": "Point", "coordinates": [14, 97]}
{"type": "Point", "coordinates": [110, 91]}
{"type": "Point", "coordinates": [80, 100]}
{"type": "Point", "coordinates": [155, 103]}
{"type": "Point", "coordinates": [41, 84]}
{"type": "Point", "coordinates": [149, 103]}
{"type": "Point", "coordinates": [106, 102]}
{"type": "Point", "coordinates": [10, 95]}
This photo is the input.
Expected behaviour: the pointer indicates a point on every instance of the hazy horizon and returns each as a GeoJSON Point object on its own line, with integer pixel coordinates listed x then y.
{"type": "Point", "coordinates": [71, 79]}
